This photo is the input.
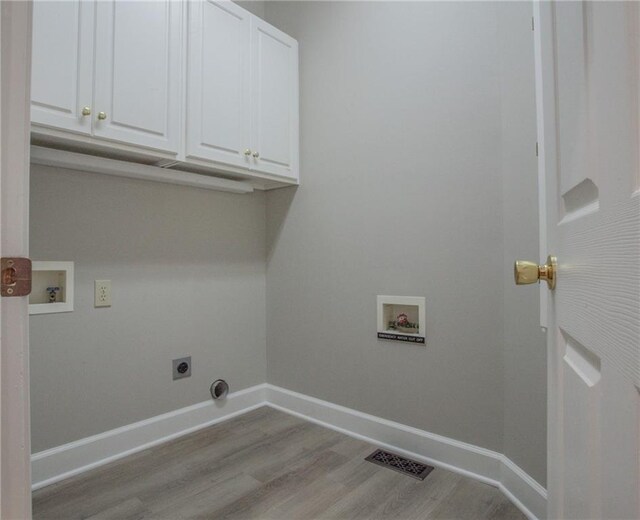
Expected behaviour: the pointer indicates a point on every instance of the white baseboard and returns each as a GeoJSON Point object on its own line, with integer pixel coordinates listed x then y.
{"type": "Point", "coordinates": [479, 463]}
{"type": "Point", "coordinates": [522, 490]}
{"type": "Point", "coordinates": [61, 462]}
{"type": "Point", "coordinates": [469, 460]}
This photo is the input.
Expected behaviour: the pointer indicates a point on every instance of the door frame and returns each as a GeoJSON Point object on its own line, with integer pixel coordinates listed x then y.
{"type": "Point", "coordinates": [547, 212]}
{"type": "Point", "coordinates": [547, 169]}
{"type": "Point", "coordinates": [546, 134]}
{"type": "Point", "coordinates": [15, 93]}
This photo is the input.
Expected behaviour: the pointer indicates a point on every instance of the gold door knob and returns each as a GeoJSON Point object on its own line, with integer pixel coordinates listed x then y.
{"type": "Point", "coordinates": [530, 272]}
{"type": "Point", "coordinates": [247, 152]}
{"type": "Point", "coordinates": [102, 116]}
{"type": "Point", "coordinates": [256, 154]}
{"type": "Point", "coordinates": [86, 111]}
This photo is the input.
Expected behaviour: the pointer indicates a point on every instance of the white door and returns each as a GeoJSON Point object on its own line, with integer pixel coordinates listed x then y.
{"type": "Point", "coordinates": [137, 73]}
{"type": "Point", "coordinates": [62, 65]}
{"type": "Point", "coordinates": [217, 115]}
{"type": "Point", "coordinates": [274, 101]}
{"type": "Point", "coordinates": [588, 70]}
{"type": "Point", "coordinates": [15, 448]}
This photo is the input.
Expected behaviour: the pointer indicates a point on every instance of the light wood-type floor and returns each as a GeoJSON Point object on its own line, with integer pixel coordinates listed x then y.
{"type": "Point", "coordinates": [265, 465]}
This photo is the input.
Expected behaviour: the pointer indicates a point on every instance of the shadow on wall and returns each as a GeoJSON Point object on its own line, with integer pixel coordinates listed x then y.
{"type": "Point", "coordinates": [278, 205]}
{"type": "Point", "coordinates": [143, 223]}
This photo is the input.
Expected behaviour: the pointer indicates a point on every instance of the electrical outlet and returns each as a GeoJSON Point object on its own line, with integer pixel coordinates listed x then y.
{"type": "Point", "coordinates": [181, 367]}
{"type": "Point", "coordinates": [102, 293]}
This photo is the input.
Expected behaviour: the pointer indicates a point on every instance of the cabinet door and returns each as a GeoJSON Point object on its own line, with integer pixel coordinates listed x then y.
{"type": "Point", "coordinates": [137, 73]}
{"type": "Point", "coordinates": [274, 101]}
{"type": "Point", "coordinates": [62, 63]}
{"type": "Point", "coordinates": [218, 83]}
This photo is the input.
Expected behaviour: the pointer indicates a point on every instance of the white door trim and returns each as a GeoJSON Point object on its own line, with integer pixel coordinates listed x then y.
{"type": "Point", "coordinates": [544, 133]}
{"type": "Point", "coordinates": [15, 92]}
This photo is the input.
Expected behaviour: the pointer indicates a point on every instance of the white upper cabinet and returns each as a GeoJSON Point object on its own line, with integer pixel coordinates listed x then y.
{"type": "Point", "coordinates": [242, 90]}
{"type": "Point", "coordinates": [137, 73]}
{"type": "Point", "coordinates": [200, 82]}
{"type": "Point", "coordinates": [218, 89]}
{"type": "Point", "coordinates": [62, 65]}
{"type": "Point", "coordinates": [274, 100]}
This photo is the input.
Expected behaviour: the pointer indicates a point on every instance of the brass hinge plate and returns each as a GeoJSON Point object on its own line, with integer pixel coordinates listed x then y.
{"type": "Point", "coordinates": [16, 276]}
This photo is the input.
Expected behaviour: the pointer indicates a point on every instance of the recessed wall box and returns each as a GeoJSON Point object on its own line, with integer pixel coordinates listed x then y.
{"type": "Point", "coordinates": [401, 318]}
{"type": "Point", "coordinates": [52, 288]}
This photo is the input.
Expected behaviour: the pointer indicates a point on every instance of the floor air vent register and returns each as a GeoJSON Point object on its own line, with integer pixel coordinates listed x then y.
{"type": "Point", "coordinates": [400, 464]}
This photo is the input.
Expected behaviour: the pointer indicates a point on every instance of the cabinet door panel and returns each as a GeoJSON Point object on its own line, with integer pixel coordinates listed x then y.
{"type": "Point", "coordinates": [218, 83]}
{"type": "Point", "coordinates": [137, 79]}
{"type": "Point", "coordinates": [62, 62]}
{"type": "Point", "coordinates": [274, 100]}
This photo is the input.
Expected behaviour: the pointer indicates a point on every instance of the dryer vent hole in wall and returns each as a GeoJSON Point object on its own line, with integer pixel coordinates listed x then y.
{"type": "Point", "coordinates": [219, 389]}
{"type": "Point", "coordinates": [400, 464]}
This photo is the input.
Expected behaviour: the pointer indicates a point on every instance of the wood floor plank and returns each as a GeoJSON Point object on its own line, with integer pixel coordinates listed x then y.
{"type": "Point", "coordinates": [365, 500]}
{"type": "Point", "coordinates": [418, 499]}
{"type": "Point", "coordinates": [278, 490]}
{"type": "Point", "coordinates": [132, 509]}
{"type": "Point", "coordinates": [265, 465]}
{"type": "Point", "coordinates": [317, 440]}
{"type": "Point", "coordinates": [201, 504]}
{"type": "Point", "coordinates": [312, 501]}
{"type": "Point", "coordinates": [469, 500]}
{"type": "Point", "coordinates": [143, 475]}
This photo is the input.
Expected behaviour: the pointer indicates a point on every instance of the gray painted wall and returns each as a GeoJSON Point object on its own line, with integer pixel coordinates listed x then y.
{"type": "Point", "coordinates": [417, 128]}
{"type": "Point", "coordinates": [525, 382]}
{"type": "Point", "coordinates": [401, 176]}
{"type": "Point", "coordinates": [417, 125]}
{"type": "Point", "coordinates": [188, 278]}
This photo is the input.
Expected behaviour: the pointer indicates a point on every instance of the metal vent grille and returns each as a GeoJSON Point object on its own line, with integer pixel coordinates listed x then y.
{"type": "Point", "coordinates": [400, 464]}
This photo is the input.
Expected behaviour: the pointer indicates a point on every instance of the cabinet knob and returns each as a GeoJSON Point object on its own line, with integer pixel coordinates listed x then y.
{"type": "Point", "coordinates": [102, 116]}
{"type": "Point", "coordinates": [86, 111]}
{"type": "Point", "coordinates": [256, 154]}
{"type": "Point", "coordinates": [247, 152]}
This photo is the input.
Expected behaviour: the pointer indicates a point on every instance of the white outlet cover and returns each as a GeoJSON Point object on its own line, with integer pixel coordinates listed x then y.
{"type": "Point", "coordinates": [102, 293]}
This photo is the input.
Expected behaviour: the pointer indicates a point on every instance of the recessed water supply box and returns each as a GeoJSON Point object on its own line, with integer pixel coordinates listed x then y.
{"type": "Point", "coordinates": [402, 318]}
{"type": "Point", "coordinates": [51, 287]}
